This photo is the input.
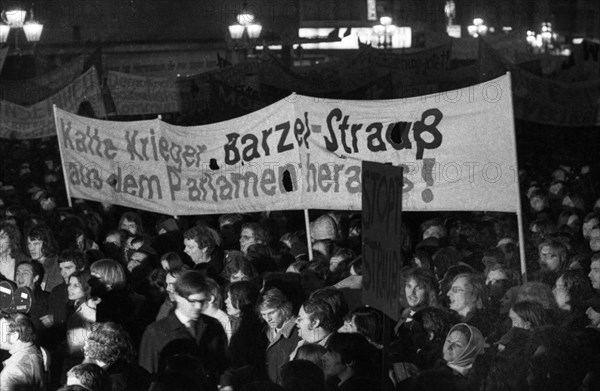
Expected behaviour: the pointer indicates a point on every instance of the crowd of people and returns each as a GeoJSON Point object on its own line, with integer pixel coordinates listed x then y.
{"type": "Point", "coordinates": [133, 300]}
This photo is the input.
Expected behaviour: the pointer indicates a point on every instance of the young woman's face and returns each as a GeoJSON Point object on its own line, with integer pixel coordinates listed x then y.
{"type": "Point", "coordinates": [74, 290]}
{"type": "Point", "coordinates": [455, 345]}
{"type": "Point", "coordinates": [231, 310]}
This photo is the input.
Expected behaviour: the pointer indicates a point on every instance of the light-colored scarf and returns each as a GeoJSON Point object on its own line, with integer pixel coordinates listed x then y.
{"type": "Point", "coordinates": [474, 348]}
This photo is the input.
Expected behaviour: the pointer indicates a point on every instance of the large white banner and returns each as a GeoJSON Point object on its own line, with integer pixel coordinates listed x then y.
{"type": "Point", "coordinates": [36, 121]}
{"type": "Point", "coordinates": [457, 149]}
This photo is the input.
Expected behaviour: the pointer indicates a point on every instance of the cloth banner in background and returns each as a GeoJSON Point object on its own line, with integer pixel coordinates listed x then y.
{"type": "Point", "coordinates": [421, 63]}
{"type": "Point", "coordinates": [541, 100]}
{"type": "Point", "coordinates": [134, 95]}
{"type": "Point", "coordinates": [36, 121]}
{"type": "Point", "coordinates": [457, 149]}
{"type": "Point", "coordinates": [30, 91]}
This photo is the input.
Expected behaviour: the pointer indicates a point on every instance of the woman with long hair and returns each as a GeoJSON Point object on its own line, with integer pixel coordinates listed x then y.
{"type": "Point", "coordinates": [118, 303]}
{"type": "Point", "coordinates": [248, 344]}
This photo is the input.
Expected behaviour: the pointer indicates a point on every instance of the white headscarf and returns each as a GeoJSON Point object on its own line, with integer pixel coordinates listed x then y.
{"type": "Point", "coordinates": [474, 348]}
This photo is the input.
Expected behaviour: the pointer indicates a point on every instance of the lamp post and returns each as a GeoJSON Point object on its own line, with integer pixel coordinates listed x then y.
{"type": "Point", "coordinates": [384, 31]}
{"type": "Point", "coordinates": [450, 11]}
{"type": "Point", "coordinates": [477, 28]}
{"type": "Point", "coordinates": [14, 18]}
{"type": "Point", "coordinates": [245, 31]}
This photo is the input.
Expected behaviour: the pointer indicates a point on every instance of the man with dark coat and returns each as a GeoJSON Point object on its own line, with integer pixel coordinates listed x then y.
{"type": "Point", "coordinates": [186, 331]}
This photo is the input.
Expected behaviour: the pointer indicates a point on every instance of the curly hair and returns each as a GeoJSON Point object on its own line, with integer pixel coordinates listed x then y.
{"type": "Point", "coordinates": [14, 238]}
{"type": "Point", "coordinates": [202, 236]}
{"type": "Point", "coordinates": [109, 343]}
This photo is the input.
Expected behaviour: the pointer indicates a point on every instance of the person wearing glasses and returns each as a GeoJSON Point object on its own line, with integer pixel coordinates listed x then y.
{"type": "Point", "coordinates": [186, 330]}
{"type": "Point", "coordinates": [468, 298]}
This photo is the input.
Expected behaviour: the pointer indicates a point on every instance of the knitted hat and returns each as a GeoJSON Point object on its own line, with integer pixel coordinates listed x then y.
{"type": "Point", "coordinates": [323, 228]}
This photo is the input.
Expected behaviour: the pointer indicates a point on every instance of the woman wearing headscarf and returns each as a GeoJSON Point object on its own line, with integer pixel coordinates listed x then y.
{"type": "Point", "coordinates": [455, 372]}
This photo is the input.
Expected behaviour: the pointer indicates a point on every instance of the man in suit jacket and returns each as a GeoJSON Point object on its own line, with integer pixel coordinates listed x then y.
{"type": "Point", "coordinates": [186, 331]}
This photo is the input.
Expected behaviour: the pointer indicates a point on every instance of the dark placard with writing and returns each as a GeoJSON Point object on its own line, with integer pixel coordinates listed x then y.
{"type": "Point", "coordinates": [381, 230]}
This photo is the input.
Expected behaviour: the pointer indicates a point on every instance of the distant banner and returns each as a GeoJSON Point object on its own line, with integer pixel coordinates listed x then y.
{"type": "Point", "coordinates": [457, 150]}
{"type": "Point", "coordinates": [160, 64]}
{"type": "Point", "coordinates": [135, 95]}
{"type": "Point", "coordinates": [329, 78]}
{"type": "Point", "coordinates": [545, 101]}
{"type": "Point", "coordinates": [419, 63]}
{"type": "Point", "coordinates": [27, 122]}
{"type": "Point", "coordinates": [30, 91]}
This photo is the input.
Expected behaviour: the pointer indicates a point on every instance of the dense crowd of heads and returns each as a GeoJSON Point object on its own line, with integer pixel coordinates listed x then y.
{"type": "Point", "coordinates": [106, 281]}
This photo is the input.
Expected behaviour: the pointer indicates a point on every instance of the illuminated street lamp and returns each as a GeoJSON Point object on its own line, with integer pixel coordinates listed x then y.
{"type": "Point", "coordinates": [384, 31]}
{"type": "Point", "coordinates": [245, 23]}
{"type": "Point", "coordinates": [14, 18]}
{"type": "Point", "coordinates": [477, 28]}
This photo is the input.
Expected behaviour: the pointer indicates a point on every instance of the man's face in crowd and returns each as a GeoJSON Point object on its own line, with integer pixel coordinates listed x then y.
{"type": "Point", "coordinates": [415, 293]}
{"type": "Point", "coordinates": [306, 327]}
{"type": "Point", "coordinates": [247, 238]}
{"type": "Point", "coordinates": [66, 270]}
{"type": "Point", "coordinates": [594, 274]}
{"type": "Point", "coordinates": [130, 226]}
{"type": "Point", "coordinates": [192, 305]}
{"type": "Point", "coordinates": [273, 317]}
{"type": "Point", "coordinates": [549, 258]}
{"type": "Point", "coordinates": [193, 250]}
{"type": "Point", "coordinates": [460, 295]}
{"type": "Point", "coordinates": [25, 277]}
{"type": "Point", "coordinates": [35, 248]}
